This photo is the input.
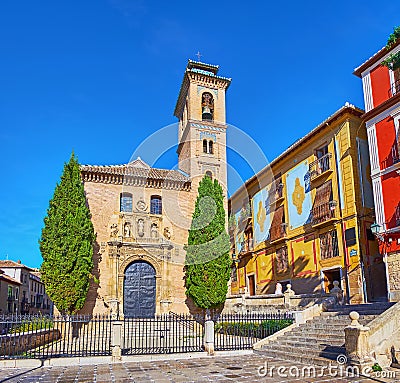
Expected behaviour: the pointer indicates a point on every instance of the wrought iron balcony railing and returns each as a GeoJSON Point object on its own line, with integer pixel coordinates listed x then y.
{"type": "Point", "coordinates": [320, 166]}
{"type": "Point", "coordinates": [278, 232]}
{"type": "Point", "coordinates": [394, 89]}
{"type": "Point", "coordinates": [275, 193]}
{"type": "Point", "coordinates": [323, 212]}
{"type": "Point", "coordinates": [247, 246]}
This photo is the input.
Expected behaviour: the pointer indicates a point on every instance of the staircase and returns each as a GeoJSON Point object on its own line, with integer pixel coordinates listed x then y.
{"type": "Point", "coordinates": [320, 340]}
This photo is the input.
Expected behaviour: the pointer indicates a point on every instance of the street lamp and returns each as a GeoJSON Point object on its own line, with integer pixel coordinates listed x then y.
{"type": "Point", "coordinates": [235, 258]}
{"type": "Point", "coordinates": [376, 230]}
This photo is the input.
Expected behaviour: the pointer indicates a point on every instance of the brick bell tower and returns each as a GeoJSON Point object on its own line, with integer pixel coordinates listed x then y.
{"type": "Point", "coordinates": [202, 125]}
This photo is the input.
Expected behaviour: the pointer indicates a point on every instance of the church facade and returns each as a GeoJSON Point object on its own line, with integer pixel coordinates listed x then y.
{"type": "Point", "coordinates": [142, 214]}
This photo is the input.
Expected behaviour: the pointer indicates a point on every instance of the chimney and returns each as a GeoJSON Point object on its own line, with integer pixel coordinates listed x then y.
{"type": "Point", "coordinates": [19, 261]}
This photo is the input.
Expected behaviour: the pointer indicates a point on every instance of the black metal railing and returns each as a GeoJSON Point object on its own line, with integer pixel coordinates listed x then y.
{"type": "Point", "coordinates": [323, 212]}
{"type": "Point", "coordinates": [163, 334]}
{"type": "Point", "coordinates": [395, 88]}
{"type": "Point", "coordinates": [43, 337]}
{"type": "Point", "coordinates": [241, 331]}
{"type": "Point", "coordinates": [320, 166]}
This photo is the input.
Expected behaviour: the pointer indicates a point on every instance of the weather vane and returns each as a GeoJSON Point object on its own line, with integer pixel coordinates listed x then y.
{"type": "Point", "coordinates": [198, 55]}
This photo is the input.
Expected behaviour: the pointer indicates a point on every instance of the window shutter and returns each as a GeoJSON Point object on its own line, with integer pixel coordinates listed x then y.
{"type": "Point", "coordinates": [276, 225]}
{"type": "Point", "coordinates": [321, 209]}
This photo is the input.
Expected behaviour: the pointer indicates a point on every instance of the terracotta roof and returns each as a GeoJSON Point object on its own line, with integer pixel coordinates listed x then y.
{"type": "Point", "coordinates": [134, 171]}
{"type": "Point", "coordinates": [8, 279]}
{"type": "Point", "coordinates": [8, 263]}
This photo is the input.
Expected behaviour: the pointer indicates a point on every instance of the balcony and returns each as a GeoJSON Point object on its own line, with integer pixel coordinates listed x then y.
{"type": "Point", "coordinates": [394, 89]}
{"type": "Point", "coordinates": [278, 232]}
{"type": "Point", "coordinates": [276, 194]}
{"type": "Point", "coordinates": [320, 166]}
{"type": "Point", "coordinates": [247, 246]}
{"type": "Point", "coordinates": [244, 217]}
{"type": "Point", "coordinates": [323, 213]}
{"type": "Point", "coordinates": [393, 158]}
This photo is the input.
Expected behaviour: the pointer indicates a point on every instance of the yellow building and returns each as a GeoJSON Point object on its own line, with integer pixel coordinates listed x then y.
{"type": "Point", "coordinates": [305, 219]}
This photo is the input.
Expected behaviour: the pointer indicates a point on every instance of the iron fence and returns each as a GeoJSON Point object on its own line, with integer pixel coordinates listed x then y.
{"type": "Point", "coordinates": [163, 334]}
{"type": "Point", "coordinates": [241, 331]}
{"type": "Point", "coordinates": [43, 337]}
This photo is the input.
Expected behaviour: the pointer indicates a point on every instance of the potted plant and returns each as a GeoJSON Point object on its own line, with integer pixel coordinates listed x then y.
{"type": "Point", "coordinates": [393, 61]}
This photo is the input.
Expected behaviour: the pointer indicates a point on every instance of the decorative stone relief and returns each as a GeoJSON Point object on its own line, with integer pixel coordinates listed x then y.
{"type": "Point", "coordinates": [154, 230]}
{"type": "Point", "coordinates": [167, 233]}
{"type": "Point", "coordinates": [141, 205]}
{"type": "Point", "coordinates": [127, 229]}
{"type": "Point", "coordinates": [140, 227]}
{"type": "Point", "coordinates": [114, 230]}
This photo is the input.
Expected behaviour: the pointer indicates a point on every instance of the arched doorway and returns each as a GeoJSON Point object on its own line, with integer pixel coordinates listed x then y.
{"type": "Point", "coordinates": [140, 290]}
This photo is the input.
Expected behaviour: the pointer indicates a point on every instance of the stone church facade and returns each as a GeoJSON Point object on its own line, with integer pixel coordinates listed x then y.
{"type": "Point", "coordinates": [142, 215]}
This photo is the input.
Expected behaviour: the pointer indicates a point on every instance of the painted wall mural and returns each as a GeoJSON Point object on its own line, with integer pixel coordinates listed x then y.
{"type": "Point", "coordinates": [299, 195]}
{"type": "Point", "coordinates": [239, 235]}
{"type": "Point", "coordinates": [261, 216]}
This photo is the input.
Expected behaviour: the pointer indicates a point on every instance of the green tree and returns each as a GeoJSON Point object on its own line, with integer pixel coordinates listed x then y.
{"type": "Point", "coordinates": [208, 264]}
{"type": "Point", "coordinates": [67, 241]}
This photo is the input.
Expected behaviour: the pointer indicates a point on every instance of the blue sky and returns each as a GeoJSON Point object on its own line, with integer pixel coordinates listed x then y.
{"type": "Point", "coordinates": [98, 77]}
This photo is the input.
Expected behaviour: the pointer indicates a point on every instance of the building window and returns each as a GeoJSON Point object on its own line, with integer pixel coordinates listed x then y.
{"type": "Point", "coordinates": [10, 292]}
{"type": "Point", "coordinates": [234, 274]}
{"type": "Point", "coordinates": [205, 146]}
{"type": "Point", "coordinates": [324, 207]}
{"type": "Point", "coordinates": [207, 107]}
{"type": "Point", "coordinates": [208, 147]}
{"type": "Point", "coordinates": [209, 174]}
{"type": "Point", "coordinates": [329, 245]}
{"type": "Point", "coordinates": [126, 202]}
{"type": "Point", "coordinates": [350, 237]}
{"type": "Point", "coordinates": [155, 204]}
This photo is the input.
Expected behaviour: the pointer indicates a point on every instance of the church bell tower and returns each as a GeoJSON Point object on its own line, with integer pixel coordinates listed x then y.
{"type": "Point", "coordinates": [202, 126]}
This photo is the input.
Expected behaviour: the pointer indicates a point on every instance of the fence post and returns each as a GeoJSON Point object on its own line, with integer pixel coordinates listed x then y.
{"type": "Point", "coordinates": [209, 336]}
{"type": "Point", "coordinates": [116, 340]}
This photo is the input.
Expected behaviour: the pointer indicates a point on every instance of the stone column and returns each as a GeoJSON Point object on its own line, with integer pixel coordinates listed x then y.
{"type": "Point", "coordinates": [357, 342]}
{"type": "Point", "coordinates": [116, 340]}
{"type": "Point", "coordinates": [209, 337]}
{"type": "Point", "coordinates": [288, 294]}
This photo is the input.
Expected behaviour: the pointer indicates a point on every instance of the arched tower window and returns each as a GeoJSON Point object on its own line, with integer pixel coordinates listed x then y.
{"type": "Point", "coordinates": [155, 204]}
{"type": "Point", "coordinates": [210, 147]}
{"type": "Point", "coordinates": [209, 174]}
{"type": "Point", "coordinates": [207, 106]}
{"type": "Point", "coordinates": [205, 146]}
{"type": "Point", "coordinates": [125, 202]}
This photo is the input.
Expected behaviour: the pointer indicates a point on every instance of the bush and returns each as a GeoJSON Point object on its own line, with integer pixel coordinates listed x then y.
{"type": "Point", "coordinates": [253, 329]}
{"type": "Point", "coordinates": [32, 324]}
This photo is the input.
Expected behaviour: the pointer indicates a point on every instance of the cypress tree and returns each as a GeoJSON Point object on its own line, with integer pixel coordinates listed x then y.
{"type": "Point", "coordinates": [208, 264]}
{"type": "Point", "coordinates": [67, 241]}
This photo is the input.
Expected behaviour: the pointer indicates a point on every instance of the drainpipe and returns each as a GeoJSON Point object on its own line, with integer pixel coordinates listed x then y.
{"type": "Point", "coordinates": [346, 276]}
{"type": "Point", "coordinates": [359, 223]}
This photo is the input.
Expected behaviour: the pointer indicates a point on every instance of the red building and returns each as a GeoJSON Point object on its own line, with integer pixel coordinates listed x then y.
{"type": "Point", "coordinates": [381, 87]}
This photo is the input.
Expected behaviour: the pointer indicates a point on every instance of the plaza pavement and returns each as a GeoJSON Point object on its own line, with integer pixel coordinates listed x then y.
{"type": "Point", "coordinates": [246, 367]}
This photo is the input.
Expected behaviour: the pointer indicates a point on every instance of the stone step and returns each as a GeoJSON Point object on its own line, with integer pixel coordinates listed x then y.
{"type": "Point", "coordinates": [327, 351]}
{"type": "Point", "coordinates": [316, 345]}
{"type": "Point", "coordinates": [317, 333]}
{"type": "Point", "coordinates": [341, 318]}
{"type": "Point", "coordinates": [346, 313]}
{"type": "Point", "coordinates": [309, 360]}
{"type": "Point", "coordinates": [308, 338]}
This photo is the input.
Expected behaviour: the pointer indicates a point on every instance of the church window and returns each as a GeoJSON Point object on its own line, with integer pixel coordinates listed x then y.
{"type": "Point", "coordinates": [207, 106]}
{"type": "Point", "coordinates": [126, 202]}
{"type": "Point", "coordinates": [210, 147]}
{"type": "Point", "coordinates": [209, 174]}
{"type": "Point", "coordinates": [155, 204]}
{"type": "Point", "coordinates": [205, 146]}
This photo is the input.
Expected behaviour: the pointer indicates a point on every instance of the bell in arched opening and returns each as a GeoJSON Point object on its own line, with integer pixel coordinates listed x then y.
{"type": "Point", "coordinates": [207, 107]}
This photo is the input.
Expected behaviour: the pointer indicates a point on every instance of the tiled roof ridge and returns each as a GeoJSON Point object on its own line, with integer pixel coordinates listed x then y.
{"type": "Point", "coordinates": [9, 263]}
{"type": "Point", "coordinates": [9, 279]}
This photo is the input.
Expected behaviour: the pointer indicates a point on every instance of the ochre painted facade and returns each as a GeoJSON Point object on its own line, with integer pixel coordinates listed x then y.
{"type": "Point", "coordinates": [305, 219]}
